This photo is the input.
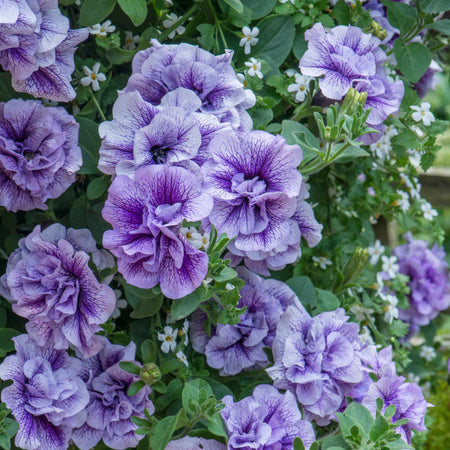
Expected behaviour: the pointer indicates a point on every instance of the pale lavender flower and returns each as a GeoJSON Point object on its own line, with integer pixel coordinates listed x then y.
{"type": "Point", "coordinates": [317, 358]}
{"type": "Point", "coordinates": [195, 443]}
{"type": "Point", "coordinates": [428, 281]}
{"type": "Point", "coordinates": [39, 154]}
{"type": "Point", "coordinates": [164, 68]}
{"type": "Point", "coordinates": [50, 284]}
{"type": "Point", "coordinates": [265, 420]}
{"type": "Point", "coordinates": [110, 408]}
{"type": "Point", "coordinates": [147, 213]}
{"type": "Point", "coordinates": [233, 348]}
{"type": "Point", "coordinates": [37, 47]}
{"type": "Point", "coordinates": [47, 397]}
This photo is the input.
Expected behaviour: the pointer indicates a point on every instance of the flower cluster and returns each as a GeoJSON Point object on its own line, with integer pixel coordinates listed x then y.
{"type": "Point", "coordinates": [429, 281]}
{"type": "Point", "coordinates": [37, 47]}
{"type": "Point", "coordinates": [233, 348]}
{"type": "Point", "coordinates": [39, 153]}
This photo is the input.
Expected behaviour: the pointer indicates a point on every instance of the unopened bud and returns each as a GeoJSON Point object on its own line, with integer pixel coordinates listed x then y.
{"type": "Point", "coordinates": [355, 265]}
{"type": "Point", "coordinates": [375, 29]}
{"type": "Point", "coordinates": [352, 100]}
{"type": "Point", "coordinates": [150, 373]}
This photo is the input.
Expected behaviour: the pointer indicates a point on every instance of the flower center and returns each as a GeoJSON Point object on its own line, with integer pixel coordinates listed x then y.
{"type": "Point", "coordinates": [247, 188]}
{"type": "Point", "coordinates": [93, 76]}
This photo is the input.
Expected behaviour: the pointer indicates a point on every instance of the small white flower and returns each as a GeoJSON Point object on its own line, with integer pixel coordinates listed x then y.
{"type": "Point", "coordinates": [423, 114]}
{"type": "Point", "coordinates": [390, 310]}
{"type": "Point", "coordinates": [285, 1]}
{"type": "Point", "coordinates": [131, 40]}
{"type": "Point", "coordinates": [300, 87]}
{"type": "Point", "coordinates": [102, 29]}
{"type": "Point", "coordinates": [93, 77]}
{"type": "Point", "coordinates": [365, 336]}
{"type": "Point", "coordinates": [169, 339]}
{"type": "Point", "coordinates": [229, 286]}
{"type": "Point", "coordinates": [427, 353]}
{"type": "Point", "coordinates": [78, 2]}
{"type": "Point", "coordinates": [322, 261]}
{"type": "Point", "coordinates": [290, 72]}
{"type": "Point", "coordinates": [380, 284]}
{"type": "Point", "coordinates": [414, 157]}
{"type": "Point", "coordinates": [182, 357]}
{"type": "Point", "coordinates": [428, 212]}
{"type": "Point", "coordinates": [413, 378]}
{"type": "Point", "coordinates": [207, 281]}
{"type": "Point", "coordinates": [390, 131]}
{"type": "Point", "coordinates": [195, 238]}
{"type": "Point", "coordinates": [185, 330]}
{"type": "Point", "coordinates": [249, 39]}
{"type": "Point", "coordinates": [390, 266]}
{"type": "Point", "coordinates": [382, 148]}
{"type": "Point", "coordinates": [416, 129]}
{"type": "Point", "coordinates": [361, 312]}
{"type": "Point", "coordinates": [171, 19]}
{"type": "Point", "coordinates": [254, 68]}
{"type": "Point", "coordinates": [120, 304]}
{"type": "Point", "coordinates": [403, 202]}
{"type": "Point", "coordinates": [375, 251]}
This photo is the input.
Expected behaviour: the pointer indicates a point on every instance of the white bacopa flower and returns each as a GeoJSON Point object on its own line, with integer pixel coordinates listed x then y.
{"type": "Point", "coordinates": [195, 238]}
{"type": "Point", "coordinates": [93, 77]}
{"type": "Point", "coordinates": [423, 114]}
{"type": "Point", "coordinates": [207, 281]}
{"type": "Point", "coordinates": [390, 310]}
{"type": "Point", "coordinates": [300, 87]}
{"type": "Point", "coordinates": [365, 336]}
{"type": "Point", "coordinates": [185, 330]}
{"type": "Point", "coordinates": [390, 266]}
{"type": "Point", "coordinates": [416, 129]}
{"type": "Point", "coordinates": [290, 73]}
{"type": "Point", "coordinates": [375, 251]}
{"type": "Point", "coordinates": [413, 378]}
{"type": "Point", "coordinates": [382, 148]}
{"type": "Point", "coordinates": [249, 39]}
{"type": "Point", "coordinates": [169, 339]}
{"type": "Point", "coordinates": [229, 287]}
{"type": "Point", "coordinates": [322, 261]}
{"type": "Point", "coordinates": [182, 357]}
{"type": "Point", "coordinates": [390, 131]}
{"type": "Point", "coordinates": [285, 1]}
{"type": "Point", "coordinates": [78, 2]}
{"type": "Point", "coordinates": [102, 29]}
{"type": "Point", "coordinates": [254, 68]}
{"type": "Point", "coordinates": [403, 201]}
{"type": "Point", "coordinates": [427, 353]}
{"type": "Point", "coordinates": [131, 40]}
{"type": "Point", "coordinates": [171, 19]}
{"type": "Point", "coordinates": [361, 312]}
{"type": "Point", "coordinates": [428, 212]}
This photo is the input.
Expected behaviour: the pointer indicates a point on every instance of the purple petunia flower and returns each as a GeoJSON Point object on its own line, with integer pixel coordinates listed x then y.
{"type": "Point", "coordinates": [39, 154]}
{"type": "Point", "coordinates": [429, 281]}
{"type": "Point", "coordinates": [37, 47]}
{"type": "Point", "coordinates": [142, 134]}
{"type": "Point", "coordinates": [258, 198]}
{"type": "Point", "coordinates": [195, 443]}
{"type": "Point", "coordinates": [147, 213]}
{"type": "Point", "coordinates": [345, 58]}
{"type": "Point", "coordinates": [233, 348]}
{"type": "Point", "coordinates": [164, 68]}
{"type": "Point", "coordinates": [49, 282]}
{"type": "Point", "coordinates": [47, 397]}
{"type": "Point", "coordinates": [266, 420]}
{"type": "Point", "coordinates": [111, 408]}
{"type": "Point", "coordinates": [317, 358]}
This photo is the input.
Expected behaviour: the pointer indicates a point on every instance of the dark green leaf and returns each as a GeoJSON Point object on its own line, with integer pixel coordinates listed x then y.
{"type": "Point", "coordinates": [380, 426]}
{"type": "Point", "coordinates": [341, 12]}
{"type": "Point", "coordinates": [135, 388]}
{"type": "Point", "coordinates": [136, 10]}
{"type": "Point", "coordinates": [326, 301]}
{"type": "Point", "coordinates": [236, 5]}
{"type": "Point", "coordinates": [163, 432]}
{"type": "Point", "coordinates": [130, 367]}
{"type": "Point", "coordinates": [94, 11]}
{"type": "Point", "coordinates": [298, 444]}
{"type": "Point", "coordinates": [89, 141]}
{"type": "Point", "coordinates": [432, 6]}
{"type": "Point", "coordinates": [147, 307]}
{"type": "Point", "coordinates": [207, 35]}
{"type": "Point", "coordinates": [191, 393]}
{"type": "Point", "coordinates": [148, 351]}
{"type": "Point", "coordinates": [401, 16]}
{"type": "Point", "coordinates": [413, 59]}
{"type": "Point", "coordinates": [5, 441]}
{"type": "Point", "coordinates": [300, 45]}
{"type": "Point", "coordinates": [97, 187]}
{"type": "Point", "coordinates": [216, 426]}
{"type": "Point", "coordinates": [260, 8]}
{"type": "Point", "coordinates": [119, 55]}
{"type": "Point", "coordinates": [6, 335]}
{"type": "Point", "coordinates": [304, 289]}
{"type": "Point", "coordinates": [182, 307]}
{"type": "Point", "coordinates": [443, 26]}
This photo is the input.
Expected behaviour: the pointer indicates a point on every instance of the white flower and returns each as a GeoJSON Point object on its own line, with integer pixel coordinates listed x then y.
{"type": "Point", "coordinates": [171, 19]}
{"type": "Point", "coordinates": [169, 339]}
{"type": "Point", "coordinates": [322, 261]}
{"type": "Point", "coordinates": [78, 2]}
{"type": "Point", "coordinates": [248, 39]}
{"type": "Point", "coordinates": [403, 202]}
{"type": "Point", "coordinates": [182, 357]}
{"type": "Point", "coordinates": [380, 284]}
{"type": "Point", "coordinates": [102, 29]}
{"type": "Point", "coordinates": [418, 130]}
{"type": "Point", "coordinates": [382, 148]}
{"type": "Point", "coordinates": [423, 114]}
{"type": "Point", "coordinates": [428, 211]}
{"type": "Point", "coordinates": [120, 304]}
{"type": "Point", "coordinates": [93, 77]}
{"type": "Point", "coordinates": [375, 251]}
{"type": "Point", "coordinates": [390, 310]}
{"type": "Point", "coordinates": [285, 1]}
{"type": "Point", "coordinates": [413, 378]}
{"type": "Point", "coordinates": [185, 330]}
{"type": "Point", "coordinates": [390, 265]}
{"type": "Point", "coordinates": [168, 2]}
{"type": "Point", "coordinates": [427, 353]}
{"type": "Point", "coordinates": [195, 238]}
{"type": "Point", "coordinates": [390, 131]}
{"type": "Point", "coordinates": [414, 157]}
{"type": "Point", "coordinates": [361, 312]}
{"type": "Point", "coordinates": [131, 41]}
{"type": "Point", "coordinates": [300, 87]}
{"type": "Point", "coordinates": [365, 336]}
{"type": "Point", "coordinates": [426, 389]}
{"type": "Point", "coordinates": [290, 72]}
{"type": "Point", "coordinates": [254, 68]}
{"type": "Point", "coordinates": [207, 281]}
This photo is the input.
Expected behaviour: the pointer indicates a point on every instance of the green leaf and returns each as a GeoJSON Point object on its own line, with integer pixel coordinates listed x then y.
{"type": "Point", "coordinates": [432, 6]}
{"type": "Point", "coordinates": [300, 45]}
{"type": "Point", "coordinates": [207, 35]}
{"type": "Point", "coordinates": [226, 274]}
{"type": "Point", "coordinates": [401, 16]}
{"type": "Point", "coordinates": [6, 343]}
{"type": "Point", "coordinates": [298, 444]}
{"type": "Point", "coordinates": [326, 300]}
{"type": "Point", "coordinates": [130, 367]}
{"type": "Point", "coordinates": [351, 153]}
{"type": "Point", "coordinates": [97, 187]}
{"type": "Point", "coordinates": [5, 441]}
{"type": "Point", "coordinates": [147, 307]}
{"type": "Point", "coordinates": [191, 393]}
{"type": "Point", "coordinates": [94, 11]}
{"type": "Point", "coordinates": [182, 307]}
{"type": "Point", "coordinates": [89, 141]}
{"type": "Point", "coordinates": [235, 4]}
{"type": "Point", "coordinates": [443, 26]}
{"type": "Point", "coordinates": [341, 12]}
{"type": "Point", "coordinates": [260, 8]}
{"type": "Point", "coordinates": [135, 388]}
{"type": "Point", "coordinates": [304, 289]}
{"type": "Point", "coordinates": [276, 36]}
{"type": "Point", "coordinates": [216, 426]}
{"type": "Point", "coordinates": [163, 431]}
{"type": "Point", "coordinates": [361, 415]}
{"type": "Point", "coordinates": [136, 10]}
{"type": "Point", "coordinates": [119, 55]}
{"type": "Point", "coordinates": [334, 442]}
{"type": "Point", "coordinates": [296, 133]}
{"type": "Point", "coordinates": [380, 426]}
{"type": "Point", "coordinates": [398, 328]}
{"type": "Point", "coordinates": [347, 423]}
{"type": "Point", "coordinates": [413, 59]}
{"type": "Point", "coordinates": [148, 351]}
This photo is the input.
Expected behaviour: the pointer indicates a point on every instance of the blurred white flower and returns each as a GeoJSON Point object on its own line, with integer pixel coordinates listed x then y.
{"type": "Point", "coordinates": [427, 353]}
{"type": "Point", "coordinates": [131, 40]}
{"type": "Point", "coordinates": [171, 19]}
{"type": "Point", "coordinates": [428, 212]}
{"type": "Point", "coordinates": [390, 310]}
{"type": "Point", "coordinates": [254, 68]}
{"type": "Point", "coordinates": [169, 339]}
{"type": "Point", "coordinates": [423, 114]}
{"type": "Point", "coordinates": [300, 87]}
{"type": "Point", "coordinates": [403, 201]}
{"type": "Point", "coordinates": [93, 77]}
{"type": "Point", "coordinates": [375, 251]}
{"type": "Point", "coordinates": [322, 261]}
{"type": "Point", "coordinates": [182, 357]}
{"type": "Point", "coordinates": [390, 266]}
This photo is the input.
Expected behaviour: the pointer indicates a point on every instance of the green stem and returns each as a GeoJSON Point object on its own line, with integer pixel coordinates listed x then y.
{"type": "Point", "coordinates": [180, 21]}
{"type": "Point", "coordinates": [217, 23]}
{"type": "Point", "coordinates": [97, 105]}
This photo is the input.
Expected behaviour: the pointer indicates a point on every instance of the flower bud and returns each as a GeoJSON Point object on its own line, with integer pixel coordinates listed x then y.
{"type": "Point", "coordinates": [355, 265]}
{"type": "Point", "coordinates": [375, 29]}
{"type": "Point", "coordinates": [352, 100]}
{"type": "Point", "coordinates": [150, 373]}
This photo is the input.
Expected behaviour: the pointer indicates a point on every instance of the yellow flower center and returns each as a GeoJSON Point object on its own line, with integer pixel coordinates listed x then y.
{"type": "Point", "coordinates": [169, 338]}
{"type": "Point", "coordinates": [188, 235]}
{"type": "Point", "coordinates": [93, 76]}
{"type": "Point", "coordinates": [302, 88]}
{"type": "Point", "coordinates": [102, 30]}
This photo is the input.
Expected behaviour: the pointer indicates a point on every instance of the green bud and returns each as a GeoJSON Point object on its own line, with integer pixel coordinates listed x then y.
{"type": "Point", "coordinates": [355, 265]}
{"type": "Point", "coordinates": [352, 100]}
{"type": "Point", "coordinates": [150, 373]}
{"type": "Point", "coordinates": [375, 29]}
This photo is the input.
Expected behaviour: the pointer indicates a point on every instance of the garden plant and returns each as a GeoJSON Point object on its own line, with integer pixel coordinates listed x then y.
{"type": "Point", "coordinates": [194, 198]}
